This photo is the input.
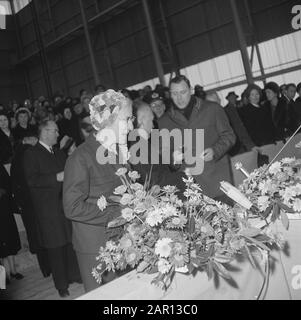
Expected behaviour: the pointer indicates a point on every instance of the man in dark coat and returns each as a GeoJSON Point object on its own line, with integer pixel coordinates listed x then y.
{"type": "Point", "coordinates": [190, 112]}
{"type": "Point", "coordinates": [44, 174]}
{"type": "Point", "coordinates": [291, 118]}
{"type": "Point", "coordinates": [22, 197]}
{"type": "Point", "coordinates": [297, 106]}
{"type": "Point", "coordinates": [243, 142]}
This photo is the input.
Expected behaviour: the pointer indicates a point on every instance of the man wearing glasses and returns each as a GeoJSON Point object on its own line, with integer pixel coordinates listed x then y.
{"type": "Point", "coordinates": [44, 172]}
{"type": "Point", "coordinates": [190, 112]}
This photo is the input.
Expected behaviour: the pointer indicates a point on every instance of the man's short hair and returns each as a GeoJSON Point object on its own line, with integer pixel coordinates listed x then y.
{"type": "Point", "coordinates": [43, 124]}
{"type": "Point", "coordinates": [290, 85]}
{"type": "Point", "coordinates": [178, 79]}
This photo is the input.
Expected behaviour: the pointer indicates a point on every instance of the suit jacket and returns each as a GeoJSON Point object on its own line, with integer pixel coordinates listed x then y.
{"type": "Point", "coordinates": [161, 174]}
{"type": "Point", "coordinates": [278, 115]}
{"type": "Point", "coordinates": [6, 148]}
{"type": "Point", "coordinates": [218, 135]}
{"type": "Point", "coordinates": [41, 167]}
{"type": "Point", "coordinates": [297, 111]}
{"type": "Point", "coordinates": [85, 181]}
{"type": "Point", "coordinates": [244, 142]}
{"type": "Point", "coordinates": [259, 124]}
{"type": "Point", "coordinates": [23, 198]}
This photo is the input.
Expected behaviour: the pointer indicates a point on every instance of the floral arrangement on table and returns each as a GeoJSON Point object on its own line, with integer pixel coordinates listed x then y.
{"type": "Point", "coordinates": [163, 234]}
{"type": "Point", "coordinates": [275, 190]}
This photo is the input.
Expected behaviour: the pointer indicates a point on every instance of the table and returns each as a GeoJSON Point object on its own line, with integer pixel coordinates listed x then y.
{"type": "Point", "coordinates": [2, 277]}
{"type": "Point", "coordinates": [283, 281]}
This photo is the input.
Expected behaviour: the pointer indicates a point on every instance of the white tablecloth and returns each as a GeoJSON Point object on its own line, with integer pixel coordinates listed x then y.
{"type": "Point", "coordinates": [281, 284]}
{"type": "Point", "coordinates": [2, 277]}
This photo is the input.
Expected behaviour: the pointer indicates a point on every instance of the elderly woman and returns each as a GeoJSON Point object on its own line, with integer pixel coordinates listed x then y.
{"type": "Point", "coordinates": [256, 118]}
{"type": "Point", "coordinates": [89, 177]}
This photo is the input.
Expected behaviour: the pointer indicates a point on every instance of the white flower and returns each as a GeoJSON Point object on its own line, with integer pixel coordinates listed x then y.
{"type": "Point", "coordinates": [127, 214]}
{"type": "Point", "coordinates": [134, 175]}
{"type": "Point", "coordinates": [275, 168]}
{"type": "Point", "coordinates": [263, 203]}
{"type": "Point", "coordinates": [169, 211]}
{"type": "Point", "coordinates": [170, 189]}
{"type": "Point", "coordinates": [298, 145]}
{"type": "Point", "coordinates": [297, 189]}
{"type": "Point", "coordinates": [137, 186]}
{"type": "Point", "coordinates": [187, 172]}
{"type": "Point", "coordinates": [267, 187]}
{"type": "Point", "coordinates": [288, 160]}
{"type": "Point", "coordinates": [121, 172]}
{"type": "Point", "coordinates": [189, 180]}
{"type": "Point", "coordinates": [132, 230]}
{"type": "Point", "coordinates": [154, 217]}
{"type": "Point", "coordinates": [120, 190]}
{"type": "Point", "coordinates": [162, 247]}
{"type": "Point", "coordinates": [140, 194]}
{"type": "Point", "coordinates": [125, 242]}
{"type": "Point", "coordinates": [140, 208]}
{"type": "Point", "coordinates": [163, 266]}
{"type": "Point", "coordinates": [102, 203]}
{"type": "Point", "coordinates": [238, 165]}
{"type": "Point", "coordinates": [178, 156]}
{"type": "Point", "coordinates": [126, 199]}
{"type": "Point", "coordinates": [297, 205]}
{"type": "Point", "coordinates": [288, 194]}
{"type": "Point", "coordinates": [110, 245]}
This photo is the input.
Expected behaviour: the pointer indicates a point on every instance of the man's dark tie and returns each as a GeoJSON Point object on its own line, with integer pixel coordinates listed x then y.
{"type": "Point", "coordinates": [51, 150]}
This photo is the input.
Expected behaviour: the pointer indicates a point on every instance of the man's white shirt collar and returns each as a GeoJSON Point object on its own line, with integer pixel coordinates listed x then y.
{"type": "Point", "coordinates": [45, 146]}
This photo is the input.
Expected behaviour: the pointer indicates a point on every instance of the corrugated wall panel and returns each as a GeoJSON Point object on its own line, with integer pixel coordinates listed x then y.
{"type": "Point", "coordinates": [201, 30]}
{"type": "Point", "coordinates": [11, 80]}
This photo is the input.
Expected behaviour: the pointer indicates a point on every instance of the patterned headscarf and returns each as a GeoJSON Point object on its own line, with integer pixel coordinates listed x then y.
{"type": "Point", "coordinates": [104, 108]}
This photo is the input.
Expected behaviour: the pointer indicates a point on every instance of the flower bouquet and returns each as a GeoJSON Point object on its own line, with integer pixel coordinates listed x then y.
{"type": "Point", "coordinates": [275, 190]}
{"type": "Point", "coordinates": [164, 235]}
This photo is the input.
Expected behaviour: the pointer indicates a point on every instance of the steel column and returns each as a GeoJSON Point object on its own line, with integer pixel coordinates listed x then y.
{"type": "Point", "coordinates": [20, 50]}
{"type": "Point", "coordinates": [154, 44]}
{"type": "Point", "coordinates": [174, 57]}
{"type": "Point", "coordinates": [41, 47]}
{"type": "Point", "coordinates": [60, 49]}
{"type": "Point", "coordinates": [246, 3]}
{"type": "Point", "coordinates": [242, 43]}
{"type": "Point", "coordinates": [89, 44]}
{"type": "Point", "coordinates": [108, 57]}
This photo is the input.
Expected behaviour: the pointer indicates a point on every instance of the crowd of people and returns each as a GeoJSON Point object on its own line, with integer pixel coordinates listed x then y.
{"type": "Point", "coordinates": [57, 200]}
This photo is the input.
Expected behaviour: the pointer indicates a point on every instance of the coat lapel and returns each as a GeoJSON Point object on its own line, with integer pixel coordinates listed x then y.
{"type": "Point", "coordinates": [195, 111]}
{"type": "Point", "coordinates": [180, 119]}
